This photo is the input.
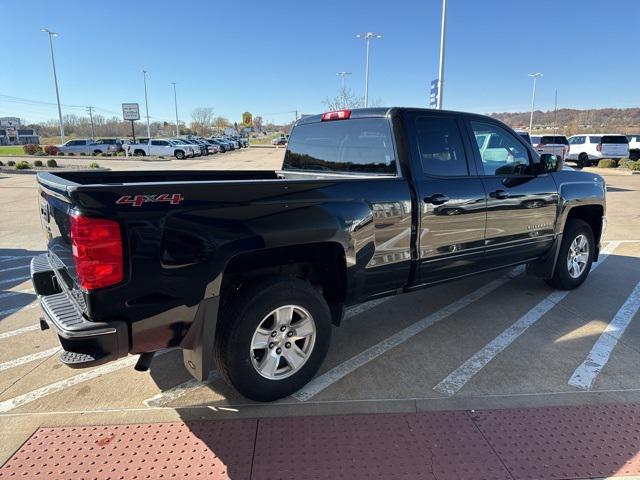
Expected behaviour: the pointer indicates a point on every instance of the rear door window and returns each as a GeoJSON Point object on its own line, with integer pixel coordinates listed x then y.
{"type": "Point", "coordinates": [362, 145]}
{"type": "Point", "coordinates": [440, 147]}
{"type": "Point", "coordinates": [619, 139]}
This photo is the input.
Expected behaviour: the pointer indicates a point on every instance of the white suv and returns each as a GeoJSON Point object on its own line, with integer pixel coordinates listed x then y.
{"type": "Point", "coordinates": [634, 147]}
{"type": "Point", "coordinates": [588, 149]}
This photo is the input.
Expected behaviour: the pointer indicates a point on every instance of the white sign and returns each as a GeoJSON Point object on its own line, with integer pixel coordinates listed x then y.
{"type": "Point", "coordinates": [130, 111]}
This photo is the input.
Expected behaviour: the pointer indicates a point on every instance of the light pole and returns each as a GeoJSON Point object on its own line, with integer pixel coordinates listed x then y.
{"type": "Point", "coordinates": [533, 97]}
{"type": "Point", "coordinates": [367, 36]}
{"type": "Point", "coordinates": [90, 111]}
{"type": "Point", "coordinates": [55, 79]}
{"type": "Point", "coordinates": [146, 105]}
{"type": "Point", "coordinates": [175, 102]}
{"type": "Point", "coordinates": [441, 68]}
{"type": "Point", "coordinates": [342, 76]}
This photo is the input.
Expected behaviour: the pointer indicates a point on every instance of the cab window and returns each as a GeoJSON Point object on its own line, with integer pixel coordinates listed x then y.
{"type": "Point", "coordinates": [440, 147]}
{"type": "Point", "coordinates": [500, 151]}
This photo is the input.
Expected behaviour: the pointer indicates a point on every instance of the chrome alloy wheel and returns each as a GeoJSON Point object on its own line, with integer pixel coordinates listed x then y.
{"type": "Point", "coordinates": [283, 342]}
{"type": "Point", "coordinates": [578, 256]}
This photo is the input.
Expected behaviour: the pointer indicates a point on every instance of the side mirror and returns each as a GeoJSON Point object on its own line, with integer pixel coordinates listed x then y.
{"type": "Point", "coordinates": [549, 163]}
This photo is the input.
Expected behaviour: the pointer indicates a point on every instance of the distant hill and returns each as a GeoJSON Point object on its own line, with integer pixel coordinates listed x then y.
{"type": "Point", "coordinates": [570, 121]}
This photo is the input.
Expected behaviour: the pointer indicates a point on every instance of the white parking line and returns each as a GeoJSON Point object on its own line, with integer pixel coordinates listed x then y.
{"type": "Point", "coordinates": [28, 358]}
{"type": "Point", "coordinates": [457, 379]}
{"type": "Point", "coordinates": [363, 307]}
{"type": "Point", "coordinates": [34, 395]}
{"type": "Point", "coordinates": [11, 294]}
{"type": "Point", "coordinates": [586, 373]}
{"type": "Point", "coordinates": [323, 381]}
{"type": "Point", "coordinates": [19, 267]}
{"type": "Point", "coordinates": [163, 398]}
{"type": "Point", "coordinates": [14, 279]}
{"type": "Point", "coordinates": [19, 331]}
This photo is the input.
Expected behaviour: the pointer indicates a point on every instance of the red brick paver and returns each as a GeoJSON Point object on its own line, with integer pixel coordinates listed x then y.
{"type": "Point", "coordinates": [536, 443]}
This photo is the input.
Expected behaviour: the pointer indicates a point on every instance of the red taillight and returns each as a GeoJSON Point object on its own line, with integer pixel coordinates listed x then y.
{"type": "Point", "coordinates": [336, 115]}
{"type": "Point", "coordinates": [97, 252]}
{"type": "Point", "coordinates": [599, 147]}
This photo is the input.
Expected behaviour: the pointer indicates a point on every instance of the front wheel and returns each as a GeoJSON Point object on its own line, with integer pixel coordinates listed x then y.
{"type": "Point", "coordinates": [272, 338]}
{"type": "Point", "coordinates": [575, 256]}
{"type": "Point", "coordinates": [179, 154]}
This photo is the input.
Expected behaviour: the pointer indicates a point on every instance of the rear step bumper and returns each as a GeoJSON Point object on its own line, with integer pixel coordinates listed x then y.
{"type": "Point", "coordinates": [85, 343]}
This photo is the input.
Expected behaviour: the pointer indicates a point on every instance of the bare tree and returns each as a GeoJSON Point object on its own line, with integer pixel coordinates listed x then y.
{"type": "Point", "coordinates": [344, 100]}
{"type": "Point", "coordinates": [220, 123]}
{"type": "Point", "coordinates": [257, 123]}
{"type": "Point", "coordinates": [201, 120]}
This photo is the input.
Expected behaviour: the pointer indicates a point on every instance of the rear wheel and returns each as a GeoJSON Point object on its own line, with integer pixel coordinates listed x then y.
{"type": "Point", "coordinates": [272, 338]}
{"type": "Point", "coordinates": [575, 256]}
{"type": "Point", "coordinates": [583, 160]}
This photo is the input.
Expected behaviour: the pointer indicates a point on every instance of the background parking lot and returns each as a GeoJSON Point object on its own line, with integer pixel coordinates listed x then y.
{"type": "Point", "coordinates": [497, 340]}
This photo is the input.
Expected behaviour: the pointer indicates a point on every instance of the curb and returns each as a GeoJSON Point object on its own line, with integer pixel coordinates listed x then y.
{"type": "Point", "coordinates": [34, 171]}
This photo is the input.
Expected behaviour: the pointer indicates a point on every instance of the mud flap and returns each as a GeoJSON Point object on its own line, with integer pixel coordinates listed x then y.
{"type": "Point", "coordinates": [197, 345]}
{"type": "Point", "coordinates": [546, 267]}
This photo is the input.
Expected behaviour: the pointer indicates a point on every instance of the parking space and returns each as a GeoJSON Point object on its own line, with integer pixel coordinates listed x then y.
{"type": "Point", "coordinates": [497, 340]}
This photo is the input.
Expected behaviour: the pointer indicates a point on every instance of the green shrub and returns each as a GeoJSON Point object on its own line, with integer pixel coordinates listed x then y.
{"type": "Point", "coordinates": [40, 153]}
{"type": "Point", "coordinates": [94, 165]}
{"type": "Point", "coordinates": [105, 154]}
{"type": "Point", "coordinates": [23, 165]}
{"type": "Point", "coordinates": [51, 150]}
{"type": "Point", "coordinates": [52, 163]}
{"type": "Point", "coordinates": [37, 163]}
{"type": "Point", "coordinates": [607, 163]}
{"type": "Point", "coordinates": [625, 163]}
{"type": "Point", "coordinates": [11, 163]}
{"type": "Point", "coordinates": [30, 148]}
{"type": "Point", "coordinates": [636, 166]}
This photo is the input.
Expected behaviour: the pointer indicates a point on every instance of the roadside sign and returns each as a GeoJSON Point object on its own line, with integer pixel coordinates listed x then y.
{"type": "Point", "coordinates": [433, 94]}
{"type": "Point", "coordinates": [247, 119]}
{"type": "Point", "coordinates": [131, 111]}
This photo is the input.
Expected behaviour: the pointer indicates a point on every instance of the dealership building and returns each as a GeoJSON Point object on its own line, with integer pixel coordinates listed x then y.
{"type": "Point", "coordinates": [11, 133]}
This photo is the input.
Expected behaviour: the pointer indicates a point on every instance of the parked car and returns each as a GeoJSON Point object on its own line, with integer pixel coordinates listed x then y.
{"type": "Point", "coordinates": [199, 150]}
{"type": "Point", "coordinates": [114, 145]}
{"type": "Point", "coordinates": [233, 141]}
{"type": "Point", "coordinates": [161, 147]}
{"type": "Point", "coordinates": [589, 149]}
{"type": "Point", "coordinates": [212, 146]}
{"type": "Point", "coordinates": [634, 147]}
{"type": "Point", "coordinates": [250, 270]}
{"type": "Point", "coordinates": [281, 140]}
{"type": "Point", "coordinates": [228, 145]}
{"type": "Point", "coordinates": [82, 146]}
{"type": "Point", "coordinates": [552, 144]}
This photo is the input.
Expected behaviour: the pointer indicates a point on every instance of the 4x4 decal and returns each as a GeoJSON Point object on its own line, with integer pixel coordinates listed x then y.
{"type": "Point", "coordinates": [139, 200]}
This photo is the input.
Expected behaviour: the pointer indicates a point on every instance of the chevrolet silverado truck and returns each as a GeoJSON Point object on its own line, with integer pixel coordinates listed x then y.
{"type": "Point", "coordinates": [248, 271]}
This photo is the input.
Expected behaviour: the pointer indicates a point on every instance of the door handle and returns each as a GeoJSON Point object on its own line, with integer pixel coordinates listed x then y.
{"type": "Point", "coordinates": [499, 194]}
{"type": "Point", "coordinates": [436, 199]}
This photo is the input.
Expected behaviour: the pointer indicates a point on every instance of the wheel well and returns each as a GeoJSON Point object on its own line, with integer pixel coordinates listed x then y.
{"type": "Point", "coordinates": [592, 214]}
{"type": "Point", "coordinates": [135, 152]}
{"type": "Point", "coordinates": [321, 264]}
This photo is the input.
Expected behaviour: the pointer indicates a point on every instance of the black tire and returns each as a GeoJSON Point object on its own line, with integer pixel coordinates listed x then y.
{"type": "Point", "coordinates": [634, 155]}
{"type": "Point", "coordinates": [96, 152]}
{"type": "Point", "coordinates": [562, 280]}
{"type": "Point", "coordinates": [179, 154]}
{"type": "Point", "coordinates": [139, 153]}
{"type": "Point", "coordinates": [583, 160]}
{"type": "Point", "coordinates": [241, 317]}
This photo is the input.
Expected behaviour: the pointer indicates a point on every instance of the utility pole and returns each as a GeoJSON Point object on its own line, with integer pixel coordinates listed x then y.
{"type": "Point", "coordinates": [342, 76]}
{"type": "Point", "coordinates": [367, 36]}
{"type": "Point", "coordinates": [535, 77]}
{"type": "Point", "coordinates": [90, 110]}
{"type": "Point", "coordinates": [441, 67]}
{"type": "Point", "coordinates": [55, 79]}
{"type": "Point", "coordinates": [555, 112]}
{"type": "Point", "coordinates": [146, 104]}
{"type": "Point", "coordinates": [175, 102]}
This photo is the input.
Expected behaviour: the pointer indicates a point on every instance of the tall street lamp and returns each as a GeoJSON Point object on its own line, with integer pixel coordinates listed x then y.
{"type": "Point", "coordinates": [342, 76]}
{"type": "Point", "coordinates": [55, 79]}
{"type": "Point", "coordinates": [175, 102]}
{"type": "Point", "coordinates": [533, 97]}
{"type": "Point", "coordinates": [367, 36]}
{"type": "Point", "coordinates": [441, 67]}
{"type": "Point", "coordinates": [146, 105]}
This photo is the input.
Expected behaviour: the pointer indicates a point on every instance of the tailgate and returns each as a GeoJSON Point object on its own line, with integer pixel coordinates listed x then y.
{"type": "Point", "coordinates": [614, 145]}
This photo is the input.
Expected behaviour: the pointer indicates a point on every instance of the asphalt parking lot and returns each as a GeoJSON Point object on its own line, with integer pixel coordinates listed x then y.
{"type": "Point", "coordinates": [494, 341]}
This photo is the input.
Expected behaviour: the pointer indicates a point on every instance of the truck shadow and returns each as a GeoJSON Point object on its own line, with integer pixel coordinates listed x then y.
{"type": "Point", "coordinates": [14, 271]}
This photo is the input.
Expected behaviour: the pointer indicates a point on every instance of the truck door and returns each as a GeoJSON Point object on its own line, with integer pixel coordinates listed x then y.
{"type": "Point", "coordinates": [521, 205]}
{"type": "Point", "coordinates": [451, 197]}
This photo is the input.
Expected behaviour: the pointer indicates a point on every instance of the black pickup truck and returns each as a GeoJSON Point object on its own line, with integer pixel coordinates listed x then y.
{"type": "Point", "coordinates": [247, 271]}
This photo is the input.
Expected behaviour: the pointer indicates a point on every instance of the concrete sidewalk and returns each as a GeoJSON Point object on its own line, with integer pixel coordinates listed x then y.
{"type": "Point", "coordinates": [529, 443]}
